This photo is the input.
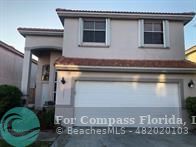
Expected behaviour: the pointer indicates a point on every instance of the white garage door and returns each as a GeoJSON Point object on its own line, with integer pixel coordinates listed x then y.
{"type": "Point", "coordinates": [125, 99]}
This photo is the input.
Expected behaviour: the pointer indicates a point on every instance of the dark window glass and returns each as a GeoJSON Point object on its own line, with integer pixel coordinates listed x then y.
{"type": "Point", "coordinates": [148, 27]}
{"type": "Point", "coordinates": [54, 97]}
{"type": "Point", "coordinates": [153, 38]}
{"type": "Point", "coordinates": [99, 36]}
{"type": "Point", "coordinates": [153, 32]}
{"type": "Point", "coordinates": [55, 77]}
{"type": "Point", "coordinates": [158, 38]}
{"type": "Point", "coordinates": [100, 25]}
{"type": "Point", "coordinates": [55, 85]}
{"type": "Point", "coordinates": [147, 38]}
{"type": "Point", "coordinates": [158, 27]}
{"type": "Point", "coordinates": [94, 31]}
{"type": "Point", "coordinates": [45, 72]}
{"type": "Point", "coordinates": [88, 25]}
{"type": "Point", "coordinates": [88, 36]}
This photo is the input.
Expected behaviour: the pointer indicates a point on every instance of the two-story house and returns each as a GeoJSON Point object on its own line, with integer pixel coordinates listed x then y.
{"type": "Point", "coordinates": [103, 60]}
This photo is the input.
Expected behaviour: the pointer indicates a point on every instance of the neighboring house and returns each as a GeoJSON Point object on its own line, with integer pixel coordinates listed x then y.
{"type": "Point", "coordinates": [111, 59]}
{"type": "Point", "coordinates": [191, 54]}
{"type": "Point", "coordinates": [11, 63]}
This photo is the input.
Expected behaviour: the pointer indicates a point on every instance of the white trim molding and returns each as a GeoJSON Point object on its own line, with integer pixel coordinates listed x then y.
{"type": "Point", "coordinates": [80, 31]}
{"type": "Point", "coordinates": [108, 32]}
{"type": "Point", "coordinates": [40, 32]}
{"type": "Point", "coordinates": [166, 38]}
{"type": "Point", "coordinates": [141, 32]}
{"type": "Point", "coordinates": [26, 73]}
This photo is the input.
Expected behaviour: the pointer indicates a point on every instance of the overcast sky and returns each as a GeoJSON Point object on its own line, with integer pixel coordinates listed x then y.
{"type": "Point", "coordinates": [41, 13]}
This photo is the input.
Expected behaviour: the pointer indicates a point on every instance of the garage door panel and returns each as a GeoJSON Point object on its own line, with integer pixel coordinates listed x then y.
{"type": "Point", "coordinates": [123, 99]}
{"type": "Point", "coordinates": [126, 94]}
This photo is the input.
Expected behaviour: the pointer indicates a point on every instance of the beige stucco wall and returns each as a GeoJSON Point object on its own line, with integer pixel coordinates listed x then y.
{"type": "Point", "coordinates": [191, 57]}
{"type": "Point", "coordinates": [65, 94]}
{"type": "Point", "coordinates": [124, 42]}
{"type": "Point", "coordinates": [11, 69]}
{"type": "Point", "coordinates": [43, 41]}
{"type": "Point", "coordinates": [52, 47]}
{"type": "Point", "coordinates": [48, 57]}
{"type": "Point", "coordinates": [135, 76]}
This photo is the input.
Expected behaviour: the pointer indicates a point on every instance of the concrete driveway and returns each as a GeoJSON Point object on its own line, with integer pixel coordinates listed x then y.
{"type": "Point", "coordinates": [126, 140]}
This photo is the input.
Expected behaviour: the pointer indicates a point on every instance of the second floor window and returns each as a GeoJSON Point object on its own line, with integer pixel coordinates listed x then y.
{"type": "Point", "coordinates": [94, 30]}
{"type": "Point", "coordinates": [153, 32]}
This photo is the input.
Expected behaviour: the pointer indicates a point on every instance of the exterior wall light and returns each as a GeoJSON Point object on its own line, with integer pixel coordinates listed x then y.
{"type": "Point", "coordinates": [191, 84]}
{"type": "Point", "coordinates": [63, 80]}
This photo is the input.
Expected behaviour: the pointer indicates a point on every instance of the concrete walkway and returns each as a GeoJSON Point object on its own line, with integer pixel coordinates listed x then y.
{"type": "Point", "coordinates": [127, 140]}
{"type": "Point", "coordinates": [50, 136]}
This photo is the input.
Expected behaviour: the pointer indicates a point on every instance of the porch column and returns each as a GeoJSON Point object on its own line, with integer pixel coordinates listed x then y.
{"type": "Point", "coordinates": [26, 73]}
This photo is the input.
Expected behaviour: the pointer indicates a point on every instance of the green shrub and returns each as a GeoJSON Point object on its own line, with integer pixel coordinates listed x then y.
{"type": "Point", "coordinates": [191, 106]}
{"type": "Point", "coordinates": [10, 96]}
{"type": "Point", "coordinates": [46, 118]}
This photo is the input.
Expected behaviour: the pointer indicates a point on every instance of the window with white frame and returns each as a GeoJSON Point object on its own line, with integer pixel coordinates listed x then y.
{"type": "Point", "coordinates": [153, 32]}
{"type": "Point", "coordinates": [94, 30]}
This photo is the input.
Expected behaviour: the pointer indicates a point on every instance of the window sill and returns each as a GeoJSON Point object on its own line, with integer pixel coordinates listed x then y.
{"type": "Point", "coordinates": [99, 45]}
{"type": "Point", "coordinates": [154, 46]}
